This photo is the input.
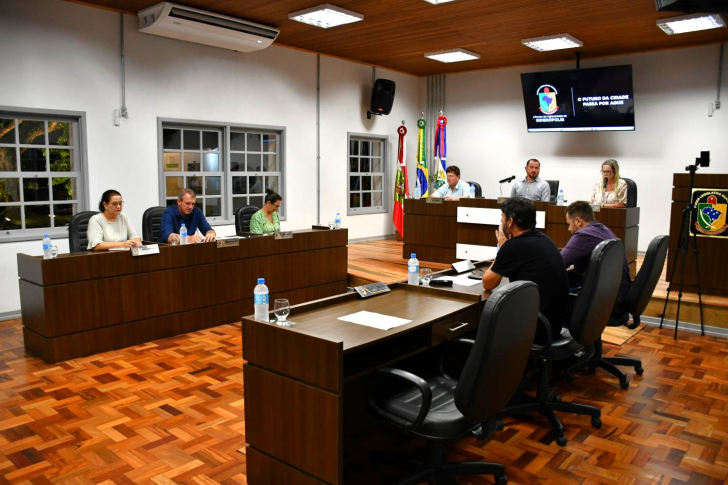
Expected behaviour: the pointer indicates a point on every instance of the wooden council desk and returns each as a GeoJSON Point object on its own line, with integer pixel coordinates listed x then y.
{"type": "Point", "coordinates": [84, 303]}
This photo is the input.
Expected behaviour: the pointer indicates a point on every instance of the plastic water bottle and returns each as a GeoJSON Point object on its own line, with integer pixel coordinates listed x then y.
{"type": "Point", "coordinates": [183, 234]}
{"type": "Point", "coordinates": [47, 247]}
{"type": "Point", "coordinates": [472, 191]}
{"type": "Point", "coordinates": [560, 197]}
{"type": "Point", "coordinates": [418, 192]}
{"type": "Point", "coordinates": [338, 221]}
{"type": "Point", "coordinates": [413, 270]}
{"type": "Point", "coordinates": [260, 300]}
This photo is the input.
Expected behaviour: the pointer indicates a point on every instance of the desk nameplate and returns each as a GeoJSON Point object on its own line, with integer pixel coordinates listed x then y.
{"type": "Point", "coordinates": [145, 250]}
{"type": "Point", "coordinates": [226, 243]}
{"type": "Point", "coordinates": [433, 200]}
{"type": "Point", "coordinates": [283, 235]}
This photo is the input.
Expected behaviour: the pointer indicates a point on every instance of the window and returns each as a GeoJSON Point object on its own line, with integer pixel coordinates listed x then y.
{"type": "Point", "coordinates": [367, 169]}
{"type": "Point", "coordinates": [41, 182]}
{"type": "Point", "coordinates": [228, 166]}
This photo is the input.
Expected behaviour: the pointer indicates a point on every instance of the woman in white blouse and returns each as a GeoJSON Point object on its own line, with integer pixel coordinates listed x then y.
{"type": "Point", "coordinates": [110, 228]}
{"type": "Point", "coordinates": [615, 194]}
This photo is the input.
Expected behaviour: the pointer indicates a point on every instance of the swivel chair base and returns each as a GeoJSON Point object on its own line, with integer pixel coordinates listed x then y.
{"type": "Point", "coordinates": [608, 364]}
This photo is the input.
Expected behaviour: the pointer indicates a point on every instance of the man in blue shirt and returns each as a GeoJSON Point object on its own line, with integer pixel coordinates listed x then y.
{"type": "Point", "coordinates": [185, 212]}
{"type": "Point", "coordinates": [454, 188]}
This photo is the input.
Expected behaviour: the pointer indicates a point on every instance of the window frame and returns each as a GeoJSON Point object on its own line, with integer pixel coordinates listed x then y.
{"type": "Point", "coordinates": [384, 140]}
{"type": "Point", "coordinates": [80, 147]}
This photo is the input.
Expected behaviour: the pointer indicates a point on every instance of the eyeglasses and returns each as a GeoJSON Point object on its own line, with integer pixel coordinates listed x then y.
{"type": "Point", "coordinates": [606, 172]}
{"type": "Point", "coordinates": [117, 204]}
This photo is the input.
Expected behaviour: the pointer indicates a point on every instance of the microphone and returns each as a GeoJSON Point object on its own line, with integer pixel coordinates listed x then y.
{"type": "Point", "coordinates": [604, 192]}
{"type": "Point", "coordinates": [605, 182]}
{"type": "Point", "coordinates": [508, 179]}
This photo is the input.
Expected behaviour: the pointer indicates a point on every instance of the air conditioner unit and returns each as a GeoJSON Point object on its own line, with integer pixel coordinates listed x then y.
{"type": "Point", "coordinates": [194, 25]}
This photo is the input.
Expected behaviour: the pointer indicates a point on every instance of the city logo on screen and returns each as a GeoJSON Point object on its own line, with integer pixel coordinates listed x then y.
{"type": "Point", "coordinates": [710, 213]}
{"type": "Point", "coordinates": [547, 99]}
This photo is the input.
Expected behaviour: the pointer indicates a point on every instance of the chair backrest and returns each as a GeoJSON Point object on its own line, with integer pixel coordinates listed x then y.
{"type": "Point", "coordinates": [631, 192]}
{"type": "Point", "coordinates": [646, 280]}
{"type": "Point", "coordinates": [478, 189]}
{"type": "Point", "coordinates": [591, 310]}
{"type": "Point", "coordinates": [151, 222]}
{"type": "Point", "coordinates": [554, 187]}
{"type": "Point", "coordinates": [77, 228]}
{"type": "Point", "coordinates": [496, 362]}
{"type": "Point", "coordinates": [242, 217]}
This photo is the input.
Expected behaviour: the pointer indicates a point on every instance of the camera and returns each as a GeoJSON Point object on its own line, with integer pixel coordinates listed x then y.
{"type": "Point", "coordinates": [702, 161]}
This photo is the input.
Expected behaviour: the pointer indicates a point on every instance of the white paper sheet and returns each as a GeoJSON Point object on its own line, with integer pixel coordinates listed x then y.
{"type": "Point", "coordinates": [119, 249]}
{"type": "Point", "coordinates": [376, 320]}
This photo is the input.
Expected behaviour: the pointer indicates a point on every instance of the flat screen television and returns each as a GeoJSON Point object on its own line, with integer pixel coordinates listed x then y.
{"type": "Point", "coordinates": [597, 99]}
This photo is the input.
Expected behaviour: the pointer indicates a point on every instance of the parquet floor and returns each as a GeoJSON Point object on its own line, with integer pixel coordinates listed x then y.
{"type": "Point", "coordinates": [172, 412]}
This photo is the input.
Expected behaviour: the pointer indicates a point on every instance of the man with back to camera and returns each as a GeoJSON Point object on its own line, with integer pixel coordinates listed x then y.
{"type": "Point", "coordinates": [527, 254]}
{"type": "Point", "coordinates": [454, 188]}
{"type": "Point", "coordinates": [532, 187]}
{"type": "Point", "coordinates": [185, 211]}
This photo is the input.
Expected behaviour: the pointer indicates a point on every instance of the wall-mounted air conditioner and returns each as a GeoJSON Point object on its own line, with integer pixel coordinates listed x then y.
{"type": "Point", "coordinates": [194, 25]}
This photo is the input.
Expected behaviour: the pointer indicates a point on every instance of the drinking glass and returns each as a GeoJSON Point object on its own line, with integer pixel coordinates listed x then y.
{"type": "Point", "coordinates": [426, 276]}
{"type": "Point", "coordinates": [282, 309]}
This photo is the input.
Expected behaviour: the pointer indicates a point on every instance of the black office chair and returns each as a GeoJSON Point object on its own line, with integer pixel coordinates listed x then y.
{"type": "Point", "coordinates": [554, 187]}
{"type": "Point", "coordinates": [589, 315]}
{"type": "Point", "coordinates": [151, 222]}
{"type": "Point", "coordinates": [77, 240]}
{"type": "Point", "coordinates": [465, 397]}
{"type": "Point", "coordinates": [478, 189]}
{"type": "Point", "coordinates": [631, 192]}
{"type": "Point", "coordinates": [637, 299]}
{"type": "Point", "coordinates": [242, 217]}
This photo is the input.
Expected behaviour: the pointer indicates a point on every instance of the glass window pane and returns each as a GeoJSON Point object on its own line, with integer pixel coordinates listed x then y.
{"type": "Point", "coordinates": [62, 214]}
{"type": "Point", "coordinates": [32, 133]}
{"type": "Point", "coordinates": [256, 201]}
{"type": "Point", "coordinates": [365, 165]}
{"type": "Point", "coordinates": [366, 199]}
{"type": "Point", "coordinates": [211, 162]}
{"type": "Point", "coordinates": [174, 186]}
{"type": "Point", "coordinates": [240, 185]}
{"type": "Point", "coordinates": [237, 162]}
{"type": "Point", "coordinates": [32, 160]}
{"type": "Point", "coordinates": [35, 189]}
{"type": "Point", "coordinates": [210, 141]}
{"type": "Point", "coordinates": [10, 218]}
{"type": "Point", "coordinates": [354, 200]}
{"type": "Point", "coordinates": [366, 183]}
{"type": "Point", "coordinates": [7, 130]}
{"type": "Point", "coordinates": [61, 160]}
{"type": "Point", "coordinates": [353, 147]}
{"type": "Point", "coordinates": [213, 207]}
{"type": "Point", "coordinates": [254, 162]}
{"type": "Point", "coordinates": [377, 183]}
{"type": "Point", "coordinates": [200, 204]}
{"type": "Point", "coordinates": [354, 183]}
{"type": "Point", "coordinates": [172, 162]}
{"type": "Point", "coordinates": [255, 185]}
{"type": "Point", "coordinates": [59, 133]}
{"type": "Point", "coordinates": [37, 216]}
{"type": "Point", "coordinates": [353, 164]}
{"type": "Point", "coordinates": [195, 183]}
{"type": "Point", "coordinates": [377, 148]}
{"type": "Point", "coordinates": [192, 162]}
{"type": "Point", "coordinates": [64, 188]}
{"type": "Point", "coordinates": [271, 182]}
{"type": "Point", "coordinates": [377, 199]}
{"type": "Point", "coordinates": [9, 190]}
{"type": "Point", "coordinates": [212, 185]}
{"type": "Point", "coordinates": [270, 143]}
{"type": "Point", "coordinates": [239, 202]}
{"type": "Point", "coordinates": [253, 140]}
{"type": "Point", "coordinates": [269, 163]}
{"type": "Point", "coordinates": [171, 202]}
{"type": "Point", "coordinates": [192, 139]}
{"type": "Point", "coordinates": [376, 164]}
{"type": "Point", "coordinates": [171, 139]}
{"type": "Point", "coordinates": [237, 142]}
{"type": "Point", "coordinates": [365, 146]}
{"type": "Point", "coordinates": [7, 160]}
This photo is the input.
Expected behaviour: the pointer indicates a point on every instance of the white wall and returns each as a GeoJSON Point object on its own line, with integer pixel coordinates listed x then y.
{"type": "Point", "coordinates": [487, 135]}
{"type": "Point", "coordinates": [74, 65]}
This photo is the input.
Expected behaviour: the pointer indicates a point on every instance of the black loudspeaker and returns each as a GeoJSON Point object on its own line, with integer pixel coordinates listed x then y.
{"type": "Point", "coordinates": [382, 97]}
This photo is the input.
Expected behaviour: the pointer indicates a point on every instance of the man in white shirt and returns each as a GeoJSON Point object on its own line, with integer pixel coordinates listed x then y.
{"type": "Point", "coordinates": [454, 188]}
{"type": "Point", "coordinates": [532, 187]}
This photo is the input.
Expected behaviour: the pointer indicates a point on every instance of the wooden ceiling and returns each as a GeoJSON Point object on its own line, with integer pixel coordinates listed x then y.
{"type": "Point", "coordinates": [396, 33]}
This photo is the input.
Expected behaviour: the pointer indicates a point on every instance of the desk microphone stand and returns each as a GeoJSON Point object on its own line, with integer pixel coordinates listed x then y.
{"type": "Point", "coordinates": [681, 250]}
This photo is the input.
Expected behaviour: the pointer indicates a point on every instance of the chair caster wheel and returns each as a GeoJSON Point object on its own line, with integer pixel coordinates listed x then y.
{"type": "Point", "coordinates": [561, 441]}
{"type": "Point", "coordinates": [623, 384]}
{"type": "Point", "coordinates": [558, 399]}
{"type": "Point", "coordinates": [499, 425]}
{"type": "Point", "coordinates": [501, 480]}
{"type": "Point", "coordinates": [639, 370]}
{"type": "Point", "coordinates": [596, 422]}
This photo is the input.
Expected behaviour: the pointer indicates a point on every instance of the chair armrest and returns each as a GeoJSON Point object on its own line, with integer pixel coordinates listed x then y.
{"type": "Point", "coordinates": [463, 345]}
{"type": "Point", "coordinates": [410, 378]}
{"type": "Point", "coordinates": [546, 325]}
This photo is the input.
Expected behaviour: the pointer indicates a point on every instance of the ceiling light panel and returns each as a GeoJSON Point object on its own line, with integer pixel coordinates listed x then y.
{"type": "Point", "coordinates": [453, 55]}
{"type": "Point", "coordinates": [552, 42]}
{"type": "Point", "coordinates": [326, 16]}
{"type": "Point", "coordinates": [691, 23]}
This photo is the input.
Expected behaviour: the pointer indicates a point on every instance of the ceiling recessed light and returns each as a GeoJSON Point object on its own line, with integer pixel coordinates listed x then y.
{"type": "Point", "coordinates": [437, 2]}
{"type": "Point", "coordinates": [552, 42]}
{"type": "Point", "coordinates": [452, 55]}
{"type": "Point", "coordinates": [691, 23]}
{"type": "Point", "coordinates": [326, 16]}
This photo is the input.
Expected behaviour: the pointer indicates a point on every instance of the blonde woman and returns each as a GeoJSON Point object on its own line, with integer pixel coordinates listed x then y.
{"type": "Point", "coordinates": [615, 194]}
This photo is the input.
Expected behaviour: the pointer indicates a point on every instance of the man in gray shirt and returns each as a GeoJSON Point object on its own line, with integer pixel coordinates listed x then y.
{"type": "Point", "coordinates": [532, 187]}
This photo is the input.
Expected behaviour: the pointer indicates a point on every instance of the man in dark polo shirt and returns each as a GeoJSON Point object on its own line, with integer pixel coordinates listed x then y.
{"type": "Point", "coordinates": [527, 254]}
{"type": "Point", "coordinates": [586, 235]}
{"type": "Point", "coordinates": [185, 211]}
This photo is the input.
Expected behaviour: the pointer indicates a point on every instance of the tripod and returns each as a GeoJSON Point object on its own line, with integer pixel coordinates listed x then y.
{"type": "Point", "coordinates": [682, 248]}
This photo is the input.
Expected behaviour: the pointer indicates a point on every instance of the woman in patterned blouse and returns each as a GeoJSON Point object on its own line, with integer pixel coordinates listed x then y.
{"type": "Point", "coordinates": [266, 219]}
{"type": "Point", "coordinates": [616, 192]}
